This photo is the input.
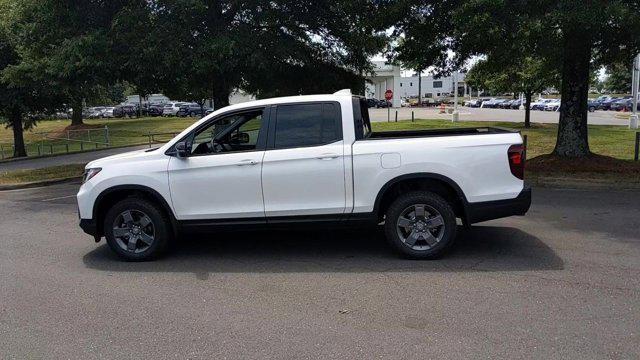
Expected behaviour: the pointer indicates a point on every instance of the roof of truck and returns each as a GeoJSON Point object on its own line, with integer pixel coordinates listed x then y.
{"type": "Point", "coordinates": [286, 99]}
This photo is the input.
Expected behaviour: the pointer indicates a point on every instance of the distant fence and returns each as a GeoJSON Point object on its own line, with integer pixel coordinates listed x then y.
{"type": "Point", "coordinates": [160, 137]}
{"type": "Point", "coordinates": [62, 142]}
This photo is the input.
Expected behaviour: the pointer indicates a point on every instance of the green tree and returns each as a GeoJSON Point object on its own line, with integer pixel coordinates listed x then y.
{"type": "Point", "coordinates": [68, 43]}
{"type": "Point", "coordinates": [274, 48]}
{"type": "Point", "coordinates": [618, 78]}
{"type": "Point", "coordinates": [527, 76]}
{"type": "Point", "coordinates": [574, 36]}
{"type": "Point", "coordinates": [20, 93]}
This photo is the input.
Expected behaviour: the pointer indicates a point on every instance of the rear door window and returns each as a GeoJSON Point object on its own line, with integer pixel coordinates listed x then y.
{"type": "Point", "coordinates": [303, 125]}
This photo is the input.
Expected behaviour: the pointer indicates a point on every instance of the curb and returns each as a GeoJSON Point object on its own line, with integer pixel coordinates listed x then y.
{"type": "Point", "coordinates": [35, 184]}
{"type": "Point", "coordinates": [581, 184]}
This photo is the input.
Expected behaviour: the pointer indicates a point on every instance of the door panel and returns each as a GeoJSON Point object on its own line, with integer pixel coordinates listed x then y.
{"type": "Point", "coordinates": [303, 167]}
{"type": "Point", "coordinates": [222, 176]}
{"type": "Point", "coordinates": [217, 186]}
{"type": "Point", "coordinates": [304, 181]}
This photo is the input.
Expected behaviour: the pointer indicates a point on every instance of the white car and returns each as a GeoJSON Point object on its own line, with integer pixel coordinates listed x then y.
{"type": "Point", "coordinates": [171, 109]}
{"type": "Point", "coordinates": [300, 161]}
{"type": "Point", "coordinates": [108, 112]}
{"type": "Point", "coordinates": [552, 105]}
{"type": "Point", "coordinates": [539, 104]}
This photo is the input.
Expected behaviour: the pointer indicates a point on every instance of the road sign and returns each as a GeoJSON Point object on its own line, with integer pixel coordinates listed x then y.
{"type": "Point", "coordinates": [388, 95]}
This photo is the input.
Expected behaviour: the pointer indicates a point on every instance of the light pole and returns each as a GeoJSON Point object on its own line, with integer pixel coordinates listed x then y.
{"type": "Point", "coordinates": [635, 79]}
{"type": "Point", "coordinates": [455, 116]}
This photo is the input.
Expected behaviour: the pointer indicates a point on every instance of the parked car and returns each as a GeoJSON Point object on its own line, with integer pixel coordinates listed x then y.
{"type": "Point", "coordinates": [153, 110]}
{"type": "Point", "coordinates": [108, 112]}
{"type": "Point", "coordinates": [606, 104]}
{"type": "Point", "coordinates": [471, 103]}
{"type": "Point", "coordinates": [490, 103]}
{"type": "Point", "coordinates": [506, 104]}
{"type": "Point", "coordinates": [171, 109]}
{"type": "Point", "coordinates": [299, 176]}
{"type": "Point", "coordinates": [515, 104]}
{"type": "Point", "coordinates": [372, 103]}
{"type": "Point", "coordinates": [125, 111]}
{"type": "Point", "coordinates": [539, 104]}
{"type": "Point", "coordinates": [553, 105]}
{"type": "Point", "coordinates": [621, 104]}
{"type": "Point", "coordinates": [384, 104]}
{"type": "Point", "coordinates": [593, 105]}
{"type": "Point", "coordinates": [192, 109]}
{"type": "Point", "coordinates": [95, 112]}
{"type": "Point", "coordinates": [624, 105]}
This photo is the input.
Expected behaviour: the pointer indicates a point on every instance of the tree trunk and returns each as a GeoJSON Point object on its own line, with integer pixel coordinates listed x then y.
{"type": "Point", "coordinates": [76, 117]}
{"type": "Point", "coordinates": [527, 110]}
{"type": "Point", "coordinates": [573, 140]}
{"type": "Point", "coordinates": [18, 133]}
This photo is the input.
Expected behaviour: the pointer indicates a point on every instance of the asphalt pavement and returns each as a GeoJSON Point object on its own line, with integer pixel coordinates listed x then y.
{"type": "Point", "coordinates": [561, 282]}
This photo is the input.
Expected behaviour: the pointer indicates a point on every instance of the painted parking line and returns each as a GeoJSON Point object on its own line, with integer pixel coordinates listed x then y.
{"type": "Point", "coordinates": [59, 197]}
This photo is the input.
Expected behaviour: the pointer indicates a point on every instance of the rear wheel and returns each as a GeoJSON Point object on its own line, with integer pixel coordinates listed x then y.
{"type": "Point", "coordinates": [420, 225]}
{"type": "Point", "coordinates": [136, 229]}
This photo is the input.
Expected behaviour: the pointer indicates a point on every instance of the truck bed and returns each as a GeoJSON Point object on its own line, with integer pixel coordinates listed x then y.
{"type": "Point", "coordinates": [437, 132]}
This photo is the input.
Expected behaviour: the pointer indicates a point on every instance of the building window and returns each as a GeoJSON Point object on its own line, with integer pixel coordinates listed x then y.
{"type": "Point", "coordinates": [437, 84]}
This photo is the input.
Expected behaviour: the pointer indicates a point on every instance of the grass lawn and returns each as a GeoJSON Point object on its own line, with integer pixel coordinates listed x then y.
{"type": "Point", "coordinates": [121, 132]}
{"type": "Point", "coordinates": [616, 142]}
{"type": "Point", "coordinates": [609, 140]}
{"type": "Point", "coordinates": [50, 173]}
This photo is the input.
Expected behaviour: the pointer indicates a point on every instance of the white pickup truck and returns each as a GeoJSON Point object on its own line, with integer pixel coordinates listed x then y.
{"type": "Point", "coordinates": [304, 160]}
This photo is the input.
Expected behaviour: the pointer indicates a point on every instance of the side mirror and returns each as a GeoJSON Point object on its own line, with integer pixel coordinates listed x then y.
{"type": "Point", "coordinates": [240, 138]}
{"type": "Point", "coordinates": [182, 150]}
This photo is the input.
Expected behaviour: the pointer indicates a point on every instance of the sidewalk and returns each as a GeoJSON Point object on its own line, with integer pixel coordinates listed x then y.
{"type": "Point", "coordinates": [77, 158]}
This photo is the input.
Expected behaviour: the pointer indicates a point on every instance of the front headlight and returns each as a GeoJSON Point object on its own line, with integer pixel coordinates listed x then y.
{"type": "Point", "coordinates": [89, 173]}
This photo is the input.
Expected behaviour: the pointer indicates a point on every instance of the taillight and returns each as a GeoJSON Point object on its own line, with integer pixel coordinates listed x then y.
{"type": "Point", "coordinates": [516, 156]}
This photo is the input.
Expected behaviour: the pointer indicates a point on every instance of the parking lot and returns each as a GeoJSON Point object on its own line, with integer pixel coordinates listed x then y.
{"type": "Point", "coordinates": [598, 117]}
{"type": "Point", "coordinates": [562, 282]}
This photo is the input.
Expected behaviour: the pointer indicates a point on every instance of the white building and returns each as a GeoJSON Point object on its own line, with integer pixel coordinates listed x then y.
{"type": "Point", "coordinates": [386, 77]}
{"type": "Point", "coordinates": [151, 99]}
{"type": "Point", "coordinates": [432, 87]}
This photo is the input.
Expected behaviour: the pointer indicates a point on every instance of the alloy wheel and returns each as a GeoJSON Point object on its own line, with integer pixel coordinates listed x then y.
{"type": "Point", "coordinates": [420, 227]}
{"type": "Point", "coordinates": [134, 231]}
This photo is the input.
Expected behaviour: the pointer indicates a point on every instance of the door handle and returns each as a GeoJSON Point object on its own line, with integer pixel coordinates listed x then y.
{"type": "Point", "coordinates": [327, 156]}
{"type": "Point", "coordinates": [247, 162]}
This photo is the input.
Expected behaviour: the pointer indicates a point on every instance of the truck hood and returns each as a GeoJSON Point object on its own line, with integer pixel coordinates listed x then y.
{"type": "Point", "coordinates": [136, 154]}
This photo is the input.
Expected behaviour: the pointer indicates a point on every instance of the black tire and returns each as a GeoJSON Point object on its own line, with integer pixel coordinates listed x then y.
{"type": "Point", "coordinates": [592, 109]}
{"type": "Point", "coordinates": [162, 233]}
{"type": "Point", "coordinates": [433, 205]}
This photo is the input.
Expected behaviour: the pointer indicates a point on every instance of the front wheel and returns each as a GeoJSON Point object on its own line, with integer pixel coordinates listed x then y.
{"type": "Point", "coordinates": [136, 229]}
{"type": "Point", "coordinates": [420, 225]}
